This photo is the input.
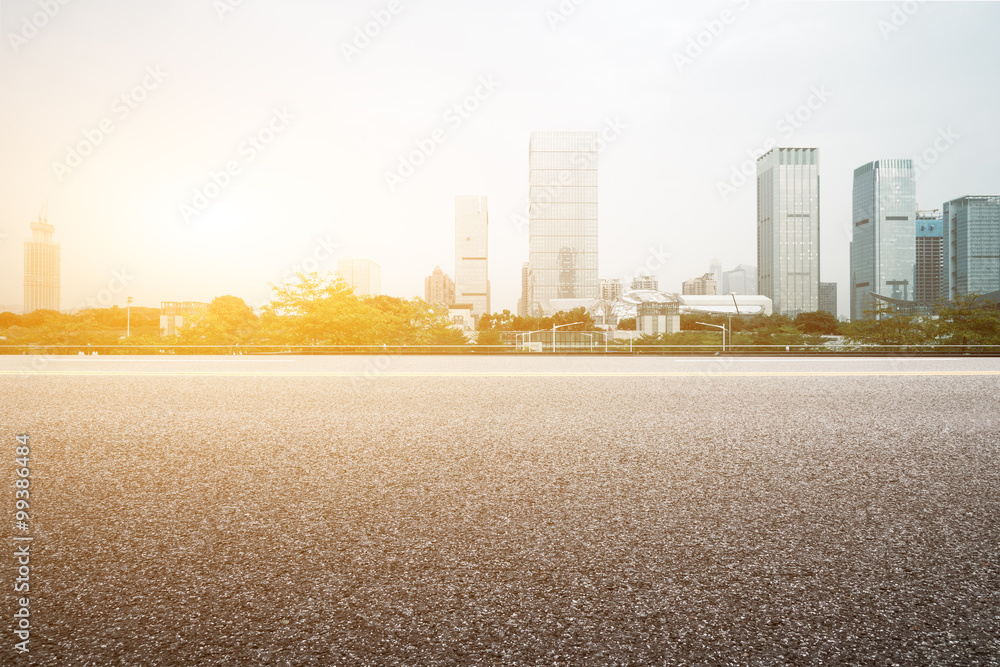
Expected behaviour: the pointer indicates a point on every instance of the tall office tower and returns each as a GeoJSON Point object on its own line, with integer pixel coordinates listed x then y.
{"type": "Point", "coordinates": [828, 298]}
{"type": "Point", "coordinates": [364, 275]}
{"type": "Point", "coordinates": [716, 270]}
{"type": "Point", "coordinates": [439, 288]}
{"type": "Point", "coordinates": [645, 282]}
{"type": "Point", "coordinates": [702, 285]}
{"type": "Point", "coordinates": [41, 267]}
{"type": "Point", "coordinates": [972, 246]}
{"type": "Point", "coordinates": [562, 215]}
{"type": "Point", "coordinates": [472, 282]}
{"type": "Point", "coordinates": [522, 303]}
{"type": "Point", "coordinates": [929, 271]}
{"type": "Point", "coordinates": [883, 246]}
{"type": "Point", "coordinates": [611, 289]}
{"type": "Point", "coordinates": [788, 229]}
{"type": "Point", "coordinates": [741, 280]}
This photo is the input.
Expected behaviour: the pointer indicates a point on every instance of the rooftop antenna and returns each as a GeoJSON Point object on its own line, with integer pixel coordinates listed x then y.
{"type": "Point", "coordinates": [43, 215]}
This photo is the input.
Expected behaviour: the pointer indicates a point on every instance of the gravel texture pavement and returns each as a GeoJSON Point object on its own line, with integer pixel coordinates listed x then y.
{"type": "Point", "coordinates": [392, 519]}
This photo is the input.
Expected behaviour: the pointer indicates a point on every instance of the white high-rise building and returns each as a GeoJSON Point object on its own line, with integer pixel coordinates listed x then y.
{"type": "Point", "coordinates": [41, 268]}
{"type": "Point", "coordinates": [788, 229]}
{"type": "Point", "coordinates": [472, 281]}
{"type": "Point", "coordinates": [563, 219]}
{"type": "Point", "coordinates": [364, 275]}
{"type": "Point", "coordinates": [883, 242]}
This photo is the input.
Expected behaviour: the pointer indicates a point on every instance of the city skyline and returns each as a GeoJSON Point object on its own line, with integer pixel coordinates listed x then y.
{"type": "Point", "coordinates": [286, 160]}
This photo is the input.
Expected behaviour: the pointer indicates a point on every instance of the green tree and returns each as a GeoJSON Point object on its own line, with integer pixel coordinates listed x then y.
{"type": "Point", "coordinates": [883, 326]}
{"type": "Point", "coordinates": [228, 320]}
{"type": "Point", "coordinates": [818, 322]}
{"type": "Point", "coordinates": [318, 309]}
{"type": "Point", "coordinates": [968, 320]}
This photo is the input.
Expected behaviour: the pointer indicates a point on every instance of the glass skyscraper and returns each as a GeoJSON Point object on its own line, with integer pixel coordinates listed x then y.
{"type": "Point", "coordinates": [563, 219]}
{"type": "Point", "coordinates": [788, 229]}
{"type": "Point", "coordinates": [472, 282]}
{"type": "Point", "coordinates": [972, 245]}
{"type": "Point", "coordinates": [883, 245]}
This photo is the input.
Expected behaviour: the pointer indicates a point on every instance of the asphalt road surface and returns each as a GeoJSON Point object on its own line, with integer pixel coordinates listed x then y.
{"type": "Point", "coordinates": [536, 511]}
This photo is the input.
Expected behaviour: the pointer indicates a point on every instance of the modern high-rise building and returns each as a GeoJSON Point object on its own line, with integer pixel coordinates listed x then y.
{"type": "Point", "coordinates": [612, 289]}
{"type": "Point", "coordinates": [645, 282]}
{"type": "Point", "coordinates": [788, 229]}
{"type": "Point", "coordinates": [364, 275]}
{"type": "Point", "coordinates": [883, 245]}
{"type": "Point", "coordinates": [41, 267]}
{"type": "Point", "coordinates": [928, 284]}
{"type": "Point", "coordinates": [472, 282]}
{"type": "Point", "coordinates": [972, 245]}
{"type": "Point", "coordinates": [716, 269]}
{"type": "Point", "coordinates": [702, 285]}
{"type": "Point", "coordinates": [562, 215]}
{"type": "Point", "coordinates": [439, 288]}
{"type": "Point", "coordinates": [522, 303]}
{"type": "Point", "coordinates": [828, 298]}
{"type": "Point", "coordinates": [741, 280]}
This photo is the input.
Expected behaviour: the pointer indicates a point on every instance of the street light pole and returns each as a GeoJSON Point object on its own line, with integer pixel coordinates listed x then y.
{"type": "Point", "coordinates": [128, 319]}
{"type": "Point", "coordinates": [554, 327]}
{"type": "Point", "coordinates": [717, 326]}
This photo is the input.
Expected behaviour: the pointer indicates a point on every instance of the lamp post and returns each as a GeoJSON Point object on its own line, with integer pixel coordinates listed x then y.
{"type": "Point", "coordinates": [717, 326]}
{"type": "Point", "coordinates": [554, 327]}
{"type": "Point", "coordinates": [128, 319]}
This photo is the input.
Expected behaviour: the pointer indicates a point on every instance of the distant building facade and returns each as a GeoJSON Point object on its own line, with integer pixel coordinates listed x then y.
{"type": "Point", "coordinates": [828, 298]}
{"type": "Point", "coordinates": [788, 247]}
{"type": "Point", "coordinates": [612, 289]}
{"type": "Point", "coordinates": [175, 314]}
{"type": "Point", "coordinates": [883, 245]}
{"type": "Point", "coordinates": [522, 302]}
{"type": "Point", "coordinates": [439, 287]}
{"type": "Point", "coordinates": [971, 245]}
{"type": "Point", "coordinates": [741, 280]}
{"type": "Point", "coordinates": [715, 268]}
{"type": "Point", "coordinates": [42, 259]}
{"type": "Point", "coordinates": [562, 215]}
{"type": "Point", "coordinates": [364, 275]}
{"type": "Point", "coordinates": [472, 282]}
{"type": "Point", "coordinates": [645, 282]}
{"type": "Point", "coordinates": [928, 284]}
{"type": "Point", "coordinates": [702, 285]}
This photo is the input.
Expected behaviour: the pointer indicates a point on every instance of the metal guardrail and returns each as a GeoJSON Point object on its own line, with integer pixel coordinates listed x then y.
{"type": "Point", "coordinates": [596, 350]}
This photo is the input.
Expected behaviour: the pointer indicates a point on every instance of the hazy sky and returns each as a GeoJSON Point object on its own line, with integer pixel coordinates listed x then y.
{"type": "Point", "coordinates": [309, 118]}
